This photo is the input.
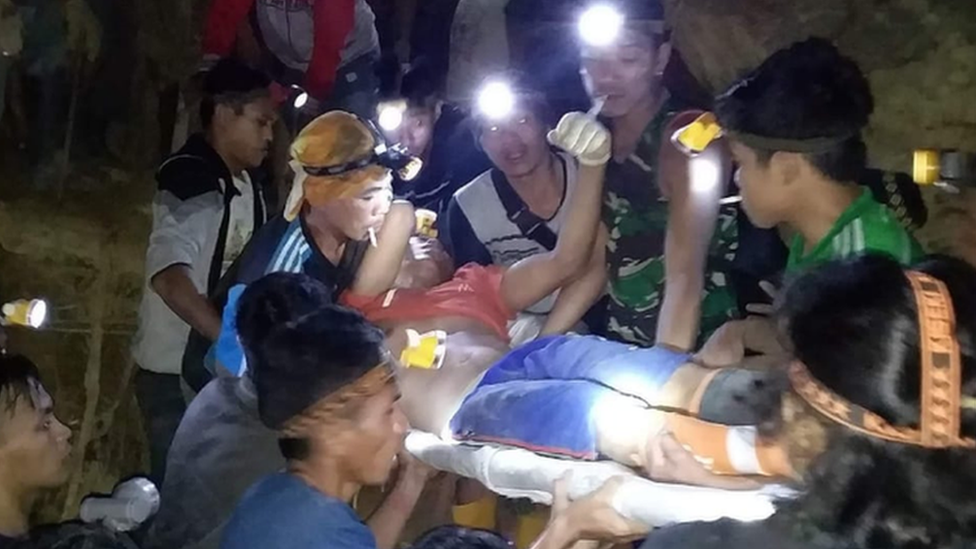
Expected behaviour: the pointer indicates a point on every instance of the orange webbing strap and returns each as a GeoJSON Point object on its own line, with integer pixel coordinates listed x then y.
{"type": "Point", "coordinates": [941, 374]}
{"type": "Point", "coordinates": [726, 450]}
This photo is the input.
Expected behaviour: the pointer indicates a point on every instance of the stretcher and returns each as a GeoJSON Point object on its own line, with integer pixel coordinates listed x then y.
{"type": "Point", "coordinates": [518, 473]}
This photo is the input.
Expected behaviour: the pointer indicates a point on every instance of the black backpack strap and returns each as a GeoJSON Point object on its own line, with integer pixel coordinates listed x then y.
{"type": "Point", "coordinates": [527, 222]}
{"type": "Point", "coordinates": [229, 192]}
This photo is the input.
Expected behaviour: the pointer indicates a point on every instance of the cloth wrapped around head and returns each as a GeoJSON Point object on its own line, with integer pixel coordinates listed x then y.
{"type": "Point", "coordinates": [337, 156]}
{"type": "Point", "coordinates": [339, 140]}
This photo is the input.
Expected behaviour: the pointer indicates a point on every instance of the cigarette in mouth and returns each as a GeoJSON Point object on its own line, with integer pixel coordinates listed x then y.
{"type": "Point", "coordinates": [730, 200]}
{"type": "Point", "coordinates": [372, 236]}
{"type": "Point", "coordinates": [597, 105]}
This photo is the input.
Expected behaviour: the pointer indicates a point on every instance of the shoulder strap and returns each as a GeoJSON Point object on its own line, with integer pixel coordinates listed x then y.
{"type": "Point", "coordinates": [527, 222]}
{"type": "Point", "coordinates": [216, 264]}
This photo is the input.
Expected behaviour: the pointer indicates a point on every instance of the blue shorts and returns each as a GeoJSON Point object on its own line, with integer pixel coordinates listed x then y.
{"type": "Point", "coordinates": [543, 395]}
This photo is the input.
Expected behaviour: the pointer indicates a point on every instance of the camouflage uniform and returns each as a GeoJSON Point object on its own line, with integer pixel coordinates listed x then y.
{"type": "Point", "coordinates": [636, 215]}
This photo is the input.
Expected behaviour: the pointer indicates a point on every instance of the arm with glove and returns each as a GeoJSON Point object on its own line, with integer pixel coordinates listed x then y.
{"type": "Point", "coordinates": [535, 277]}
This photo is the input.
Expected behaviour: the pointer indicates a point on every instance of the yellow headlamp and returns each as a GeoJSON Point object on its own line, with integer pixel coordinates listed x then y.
{"type": "Point", "coordinates": [426, 223]}
{"type": "Point", "coordinates": [23, 312]}
{"type": "Point", "coordinates": [925, 167]}
{"type": "Point", "coordinates": [424, 351]}
{"type": "Point", "coordinates": [697, 136]}
{"type": "Point", "coordinates": [947, 169]}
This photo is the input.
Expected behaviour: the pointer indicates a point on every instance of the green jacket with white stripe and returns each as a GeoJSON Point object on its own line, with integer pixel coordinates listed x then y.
{"type": "Point", "coordinates": [866, 226]}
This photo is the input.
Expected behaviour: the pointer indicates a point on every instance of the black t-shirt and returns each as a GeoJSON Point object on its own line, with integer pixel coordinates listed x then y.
{"type": "Point", "coordinates": [7, 543]}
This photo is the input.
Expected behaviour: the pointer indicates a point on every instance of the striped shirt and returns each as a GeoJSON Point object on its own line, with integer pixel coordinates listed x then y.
{"type": "Point", "coordinates": [292, 252]}
{"type": "Point", "coordinates": [866, 226]}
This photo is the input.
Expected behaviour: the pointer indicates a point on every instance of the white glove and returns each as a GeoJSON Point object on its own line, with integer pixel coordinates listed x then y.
{"type": "Point", "coordinates": [584, 137]}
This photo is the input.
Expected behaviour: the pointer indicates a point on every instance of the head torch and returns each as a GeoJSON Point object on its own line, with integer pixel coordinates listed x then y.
{"type": "Point", "coordinates": [600, 25]}
{"type": "Point", "coordinates": [393, 157]}
{"type": "Point", "coordinates": [389, 114]}
{"type": "Point", "coordinates": [30, 313]}
{"type": "Point", "coordinates": [496, 100]}
{"type": "Point", "coordinates": [697, 136]}
{"type": "Point", "coordinates": [949, 170]}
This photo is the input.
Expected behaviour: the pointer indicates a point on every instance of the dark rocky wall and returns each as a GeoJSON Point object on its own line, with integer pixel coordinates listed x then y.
{"type": "Point", "coordinates": [919, 55]}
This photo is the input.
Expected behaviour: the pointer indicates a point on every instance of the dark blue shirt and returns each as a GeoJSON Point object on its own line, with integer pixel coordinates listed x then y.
{"type": "Point", "coordinates": [454, 160]}
{"type": "Point", "coordinates": [282, 511]}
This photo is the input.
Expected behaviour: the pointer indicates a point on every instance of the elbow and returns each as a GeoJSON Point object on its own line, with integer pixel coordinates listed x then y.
{"type": "Point", "coordinates": [571, 264]}
{"type": "Point", "coordinates": [160, 283]}
{"type": "Point", "coordinates": [165, 282]}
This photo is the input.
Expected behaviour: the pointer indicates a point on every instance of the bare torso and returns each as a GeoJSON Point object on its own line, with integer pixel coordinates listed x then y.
{"type": "Point", "coordinates": [431, 397]}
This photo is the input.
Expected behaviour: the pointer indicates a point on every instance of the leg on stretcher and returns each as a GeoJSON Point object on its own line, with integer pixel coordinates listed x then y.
{"type": "Point", "coordinates": [586, 398]}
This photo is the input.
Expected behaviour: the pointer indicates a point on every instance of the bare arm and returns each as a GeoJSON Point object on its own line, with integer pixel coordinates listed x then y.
{"type": "Point", "coordinates": [174, 285]}
{"type": "Point", "coordinates": [590, 518]}
{"type": "Point", "coordinates": [389, 519]}
{"type": "Point", "coordinates": [579, 295]}
{"type": "Point", "coordinates": [695, 187]}
{"type": "Point", "coordinates": [533, 278]}
{"type": "Point", "coordinates": [381, 264]}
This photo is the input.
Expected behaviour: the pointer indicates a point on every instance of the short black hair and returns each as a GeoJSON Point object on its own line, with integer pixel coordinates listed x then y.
{"type": "Point", "coordinates": [301, 347]}
{"type": "Point", "coordinates": [854, 324]}
{"type": "Point", "coordinates": [420, 86]}
{"type": "Point", "coordinates": [808, 90]}
{"type": "Point", "coordinates": [646, 17]}
{"type": "Point", "coordinates": [19, 378]}
{"type": "Point", "coordinates": [459, 537]}
{"type": "Point", "coordinates": [231, 82]}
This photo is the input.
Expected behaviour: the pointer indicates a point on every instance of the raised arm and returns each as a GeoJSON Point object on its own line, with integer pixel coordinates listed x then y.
{"type": "Point", "coordinates": [577, 296]}
{"type": "Point", "coordinates": [535, 277]}
{"type": "Point", "coordinates": [694, 187]}
{"type": "Point", "coordinates": [381, 264]}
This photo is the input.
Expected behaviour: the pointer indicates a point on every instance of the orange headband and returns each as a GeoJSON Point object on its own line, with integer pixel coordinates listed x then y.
{"type": "Point", "coordinates": [368, 385]}
{"type": "Point", "coordinates": [940, 397]}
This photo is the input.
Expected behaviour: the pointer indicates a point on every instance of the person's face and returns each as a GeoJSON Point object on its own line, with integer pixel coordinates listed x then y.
{"type": "Point", "coordinates": [626, 73]}
{"type": "Point", "coordinates": [517, 145]}
{"type": "Point", "coordinates": [380, 427]}
{"type": "Point", "coordinates": [33, 443]}
{"type": "Point", "coordinates": [765, 194]}
{"type": "Point", "coordinates": [354, 216]}
{"type": "Point", "coordinates": [248, 131]}
{"type": "Point", "coordinates": [417, 130]}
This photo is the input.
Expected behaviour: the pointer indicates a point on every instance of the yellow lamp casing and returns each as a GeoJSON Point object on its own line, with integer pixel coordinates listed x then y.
{"type": "Point", "coordinates": [927, 166]}
{"type": "Point", "coordinates": [424, 351]}
{"type": "Point", "coordinates": [30, 313]}
{"type": "Point", "coordinates": [697, 136]}
{"type": "Point", "coordinates": [426, 223]}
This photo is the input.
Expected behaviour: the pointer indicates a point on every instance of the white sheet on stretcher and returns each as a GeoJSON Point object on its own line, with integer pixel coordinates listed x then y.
{"type": "Point", "coordinates": [517, 473]}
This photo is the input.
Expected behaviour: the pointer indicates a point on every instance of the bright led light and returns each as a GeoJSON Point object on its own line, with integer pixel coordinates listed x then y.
{"type": "Point", "coordinates": [32, 313]}
{"type": "Point", "coordinates": [600, 25]}
{"type": "Point", "coordinates": [704, 173]}
{"type": "Point", "coordinates": [301, 97]}
{"type": "Point", "coordinates": [37, 313]}
{"type": "Point", "coordinates": [496, 100]}
{"type": "Point", "coordinates": [390, 118]}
